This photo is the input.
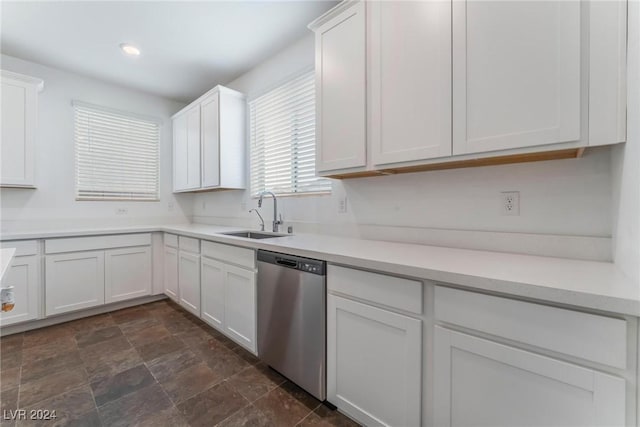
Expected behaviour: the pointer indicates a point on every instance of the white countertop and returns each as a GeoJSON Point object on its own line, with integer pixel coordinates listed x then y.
{"type": "Point", "coordinates": [6, 255]}
{"type": "Point", "coordinates": [589, 284]}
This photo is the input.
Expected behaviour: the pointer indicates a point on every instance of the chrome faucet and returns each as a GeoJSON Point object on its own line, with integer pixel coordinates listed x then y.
{"type": "Point", "coordinates": [259, 216]}
{"type": "Point", "coordinates": [276, 221]}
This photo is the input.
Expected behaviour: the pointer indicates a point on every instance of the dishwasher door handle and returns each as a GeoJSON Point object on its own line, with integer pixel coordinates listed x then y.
{"type": "Point", "coordinates": [286, 262]}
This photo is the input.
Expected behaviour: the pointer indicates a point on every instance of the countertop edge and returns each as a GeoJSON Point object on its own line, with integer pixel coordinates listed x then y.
{"type": "Point", "coordinates": [533, 291]}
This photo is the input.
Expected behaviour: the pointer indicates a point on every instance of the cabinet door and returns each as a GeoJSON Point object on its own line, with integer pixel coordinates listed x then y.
{"type": "Point", "coordinates": [19, 121]}
{"type": "Point", "coordinates": [193, 147]}
{"type": "Point", "coordinates": [23, 275]}
{"type": "Point", "coordinates": [212, 284]}
{"type": "Point", "coordinates": [374, 360]}
{"type": "Point", "coordinates": [74, 281]}
{"type": "Point", "coordinates": [189, 281]}
{"type": "Point", "coordinates": [171, 273]}
{"type": "Point", "coordinates": [127, 273]}
{"type": "Point", "coordinates": [410, 80]}
{"type": "Point", "coordinates": [516, 74]}
{"type": "Point", "coordinates": [240, 306]}
{"type": "Point", "coordinates": [341, 91]}
{"type": "Point", "coordinates": [209, 116]}
{"type": "Point", "coordinates": [480, 382]}
{"type": "Point", "coordinates": [186, 150]}
{"type": "Point", "coordinates": [180, 164]}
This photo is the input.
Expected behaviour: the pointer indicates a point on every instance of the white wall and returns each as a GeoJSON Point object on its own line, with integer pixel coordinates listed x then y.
{"type": "Point", "coordinates": [561, 197]}
{"type": "Point", "coordinates": [53, 203]}
{"type": "Point", "coordinates": [626, 162]}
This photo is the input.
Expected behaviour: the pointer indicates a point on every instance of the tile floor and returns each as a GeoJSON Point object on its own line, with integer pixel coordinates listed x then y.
{"type": "Point", "coordinates": [151, 365]}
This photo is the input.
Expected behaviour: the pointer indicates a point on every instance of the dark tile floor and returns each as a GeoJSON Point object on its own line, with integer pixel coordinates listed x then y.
{"type": "Point", "coordinates": [151, 365]}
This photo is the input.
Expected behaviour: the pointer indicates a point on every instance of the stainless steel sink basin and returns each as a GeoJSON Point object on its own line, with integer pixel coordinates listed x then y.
{"type": "Point", "coordinates": [253, 234]}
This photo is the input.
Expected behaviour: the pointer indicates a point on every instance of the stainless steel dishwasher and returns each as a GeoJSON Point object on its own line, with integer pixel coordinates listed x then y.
{"type": "Point", "coordinates": [292, 318]}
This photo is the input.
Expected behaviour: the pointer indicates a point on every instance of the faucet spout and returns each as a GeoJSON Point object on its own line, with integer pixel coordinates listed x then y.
{"type": "Point", "coordinates": [259, 216]}
{"type": "Point", "coordinates": [276, 221]}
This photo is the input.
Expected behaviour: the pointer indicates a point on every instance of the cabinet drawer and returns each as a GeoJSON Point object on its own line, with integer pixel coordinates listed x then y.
{"type": "Point", "coordinates": [231, 254]}
{"type": "Point", "coordinates": [189, 244]}
{"type": "Point", "coordinates": [592, 337]}
{"type": "Point", "coordinates": [171, 240]}
{"type": "Point", "coordinates": [74, 244]}
{"type": "Point", "coordinates": [23, 247]}
{"type": "Point", "coordinates": [395, 292]}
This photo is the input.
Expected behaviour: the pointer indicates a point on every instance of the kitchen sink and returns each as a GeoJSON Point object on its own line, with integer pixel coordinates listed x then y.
{"type": "Point", "coordinates": [253, 234]}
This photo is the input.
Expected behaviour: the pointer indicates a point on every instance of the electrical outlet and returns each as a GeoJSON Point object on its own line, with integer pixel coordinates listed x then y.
{"type": "Point", "coordinates": [510, 203]}
{"type": "Point", "coordinates": [122, 211]}
{"type": "Point", "coordinates": [342, 205]}
{"type": "Point", "coordinates": [170, 206]}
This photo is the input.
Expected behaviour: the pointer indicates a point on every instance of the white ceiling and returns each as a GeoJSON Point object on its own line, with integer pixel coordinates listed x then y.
{"type": "Point", "coordinates": [187, 47]}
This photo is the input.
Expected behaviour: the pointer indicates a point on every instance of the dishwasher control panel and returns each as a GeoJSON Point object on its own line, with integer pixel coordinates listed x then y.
{"type": "Point", "coordinates": [311, 268]}
{"type": "Point", "coordinates": [307, 265]}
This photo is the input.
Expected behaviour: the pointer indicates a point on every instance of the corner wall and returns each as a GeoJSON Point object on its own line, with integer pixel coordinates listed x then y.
{"type": "Point", "coordinates": [53, 203]}
{"type": "Point", "coordinates": [626, 163]}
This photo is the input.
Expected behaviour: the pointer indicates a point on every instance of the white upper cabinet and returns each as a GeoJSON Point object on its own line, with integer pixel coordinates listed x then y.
{"type": "Point", "coordinates": [19, 126]}
{"type": "Point", "coordinates": [516, 74]}
{"type": "Point", "coordinates": [458, 80]}
{"type": "Point", "coordinates": [410, 80]}
{"type": "Point", "coordinates": [607, 72]}
{"type": "Point", "coordinates": [210, 122]}
{"type": "Point", "coordinates": [193, 147]}
{"type": "Point", "coordinates": [186, 150]}
{"type": "Point", "coordinates": [209, 142]}
{"type": "Point", "coordinates": [341, 89]}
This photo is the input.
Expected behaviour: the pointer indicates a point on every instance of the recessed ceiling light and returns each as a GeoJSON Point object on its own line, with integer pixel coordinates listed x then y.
{"type": "Point", "coordinates": [130, 49]}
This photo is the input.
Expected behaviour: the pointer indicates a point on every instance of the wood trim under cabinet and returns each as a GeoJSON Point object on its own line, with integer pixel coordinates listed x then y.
{"type": "Point", "coordinates": [458, 164]}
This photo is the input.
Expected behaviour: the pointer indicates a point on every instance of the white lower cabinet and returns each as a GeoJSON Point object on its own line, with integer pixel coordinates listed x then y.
{"type": "Point", "coordinates": [127, 273]}
{"type": "Point", "coordinates": [482, 382]}
{"type": "Point", "coordinates": [24, 276]}
{"type": "Point", "coordinates": [212, 282]}
{"type": "Point", "coordinates": [374, 360]}
{"type": "Point", "coordinates": [229, 300]}
{"type": "Point", "coordinates": [171, 273]}
{"type": "Point", "coordinates": [189, 281]}
{"type": "Point", "coordinates": [240, 305]}
{"type": "Point", "coordinates": [87, 271]}
{"type": "Point", "coordinates": [74, 281]}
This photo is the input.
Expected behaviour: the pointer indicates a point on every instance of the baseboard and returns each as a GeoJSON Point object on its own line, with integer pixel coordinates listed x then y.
{"type": "Point", "coordinates": [67, 317]}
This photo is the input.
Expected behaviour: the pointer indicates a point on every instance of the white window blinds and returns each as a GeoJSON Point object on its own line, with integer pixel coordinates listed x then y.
{"type": "Point", "coordinates": [116, 155]}
{"type": "Point", "coordinates": [282, 123]}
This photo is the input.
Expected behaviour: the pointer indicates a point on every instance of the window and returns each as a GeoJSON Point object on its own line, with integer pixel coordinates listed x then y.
{"type": "Point", "coordinates": [116, 155]}
{"type": "Point", "coordinates": [283, 152]}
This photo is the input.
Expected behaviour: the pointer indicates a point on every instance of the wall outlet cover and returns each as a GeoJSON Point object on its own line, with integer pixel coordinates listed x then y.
{"type": "Point", "coordinates": [342, 205]}
{"type": "Point", "coordinates": [510, 203]}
